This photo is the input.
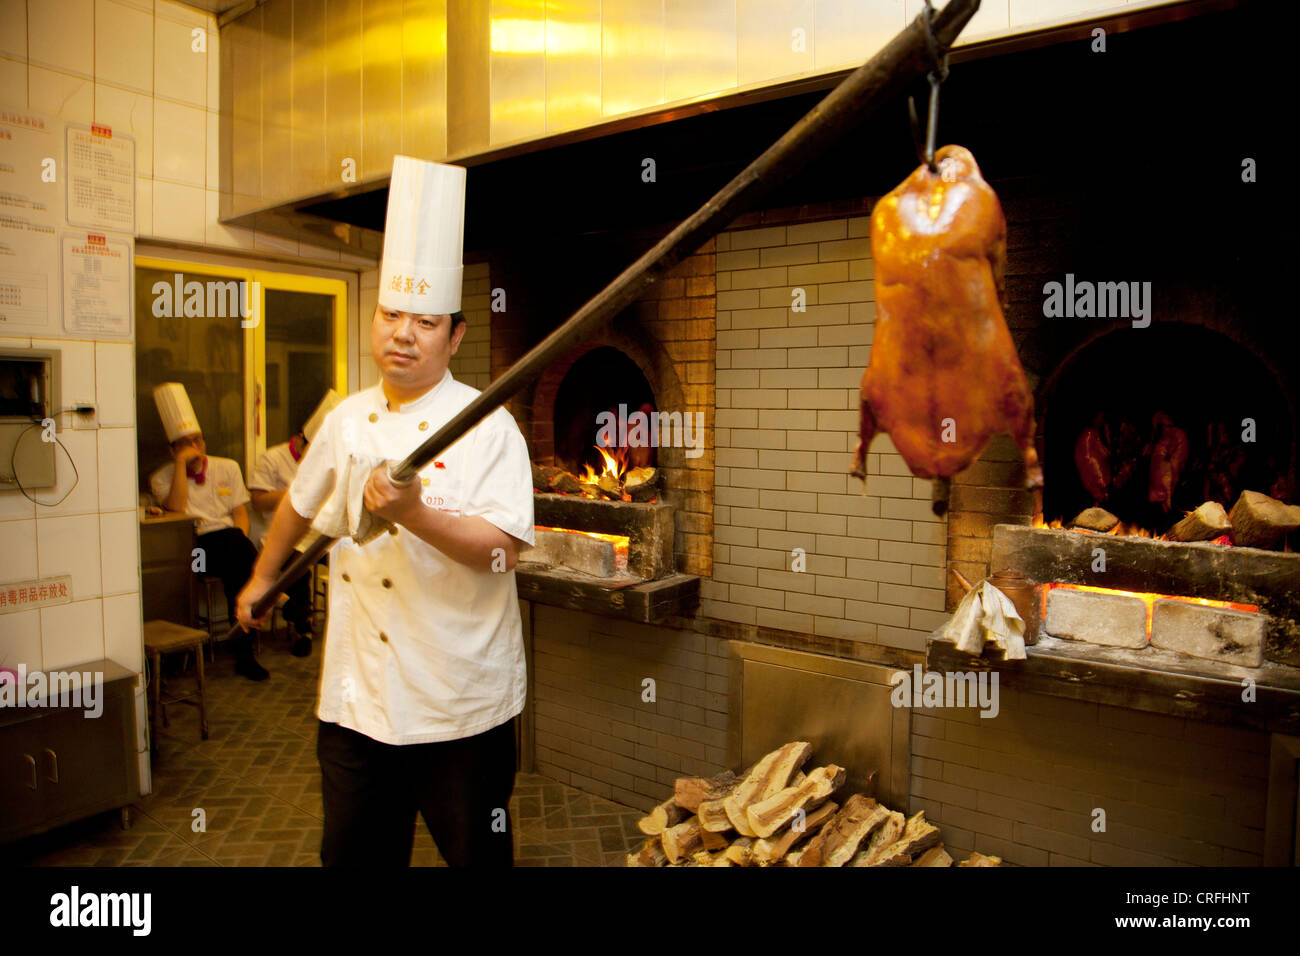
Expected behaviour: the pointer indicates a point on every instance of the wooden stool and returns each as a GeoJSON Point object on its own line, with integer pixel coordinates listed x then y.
{"type": "Point", "coordinates": [164, 637]}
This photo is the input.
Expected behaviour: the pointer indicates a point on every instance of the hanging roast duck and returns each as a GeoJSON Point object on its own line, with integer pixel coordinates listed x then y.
{"type": "Point", "coordinates": [943, 375]}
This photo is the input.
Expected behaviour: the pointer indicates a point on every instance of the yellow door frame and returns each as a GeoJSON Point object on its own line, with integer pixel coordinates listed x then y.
{"type": "Point", "coordinates": [255, 334]}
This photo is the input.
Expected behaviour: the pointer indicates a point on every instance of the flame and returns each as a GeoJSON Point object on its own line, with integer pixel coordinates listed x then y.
{"type": "Point", "coordinates": [1149, 598]}
{"type": "Point", "coordinates": [1121, 530]}
{"type": "Point", "coordinates": [620, 542]}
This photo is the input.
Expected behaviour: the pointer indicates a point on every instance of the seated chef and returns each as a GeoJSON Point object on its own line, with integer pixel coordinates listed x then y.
{"type": "Point", "coordinates": [271, 478]}
{"type": "Point", "coordinates": [211, 491]}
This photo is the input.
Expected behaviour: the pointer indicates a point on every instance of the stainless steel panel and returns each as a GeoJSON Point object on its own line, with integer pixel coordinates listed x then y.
{"type": "Point", "coordinates": [381, 87]}
{"type": "Point", "coordinates": [277, 99]}
{"type": "Point", "coordinates": [468, 86]}
{"type": "Point", "coordinates": [572, 64]}
{"type": "Point", "coordinates": [632, 55]}
{"type": "Point", "coordinates": [244, 146]}
{"type": "Point", "coordinates": [699, 47]}
{"type": "Point", "coordinates": [841, 707]}
{"type": "Point", "coordinates": [517, 65]}
{"type": "Point", "coordinates": [307, 168]}
{"type": "Point", "coordinates": [424, 78]}
{"type": "Point", "coordinates": [850, 32]}
{"type": "Point", "coordinates": [767, 38]}
{"type": "Point", "coordinates": [342, 87]}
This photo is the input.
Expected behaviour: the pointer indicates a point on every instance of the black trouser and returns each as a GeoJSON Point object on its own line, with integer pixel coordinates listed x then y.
{"type": "Point", "coordinates": [230, 556]}
{"type": "Point", "coordinates": [372, 792]}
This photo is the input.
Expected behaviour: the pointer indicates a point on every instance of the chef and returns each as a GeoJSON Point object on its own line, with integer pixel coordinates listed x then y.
{"type": "Point", "coordinates": [272, 475]}
{"type": "Point", "coordinates": [424, 667]}
{"type": "Point", "coordinates": [211, 491]}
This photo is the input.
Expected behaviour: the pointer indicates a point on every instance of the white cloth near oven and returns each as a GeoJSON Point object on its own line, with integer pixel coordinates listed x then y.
{"type": "Point", "coordinates": [984, 615]}
{"type": "Point", "coordinates": [421, 647]}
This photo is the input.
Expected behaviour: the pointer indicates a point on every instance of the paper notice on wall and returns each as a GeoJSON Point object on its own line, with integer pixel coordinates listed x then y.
{"type": "Point", "coordinates": [96, 285]}
{"type": "Point", "coordinates": [101, 179]}
{"type": "Point", "coordinates": [31, 212]}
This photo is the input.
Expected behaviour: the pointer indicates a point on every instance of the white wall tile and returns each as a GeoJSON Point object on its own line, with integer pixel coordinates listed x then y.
{"type": "Point", "coordinates": [59, 94]}
{"type": "Point", "coordinates": [119, 546]}
{"type": "Point", "coordinates": [115, 383]}
{"type": "Point", "coordinates": [22, 640]}
{"type": "Point", "coordinates": [1024, 12]}
{"type": "Point", "coordinates": [212, 142]}
{"type": "Point", "coordinates": [118, 486]}
{"type": "Point", "coordinates": [991, 18]}
{"type": "Point", "coordinates": [214, 65]}
{"type": "Point", "coordinates": [71, 634]}
{"type": "Point", "coordinates": [308, 251]}
{"type": "Point", "coordinates": [18, 555]}
{"type": "Point", "coordinates": [848, 33]}
{"type": "Point", "coordinates": [76, 369]}
{"type": "Point", "coordinates": [124, 46]}
{"type": "Point", "coordinates": [122, 634]}
{"type": "Point", "coordinates": [142, 758]}
{"type": "Point", "coordinates": [179, 152]}
{"type": "Point", "coordinates": [13, 80]}
{"type": "Point", "coordinates": [369, 372]}
{"type": "Point", "coordinates": [144, 206]}
{"type": "Point", "coordinates": [268, 242]}
{"type": "Point", "coordinates": [180, 13]}
{"type": "Point", "coordinates": [222, 235]}
{"type": "Point", "coordinates": [60, 35]}
{"type": "Point", "coordinates": [182, 73]}
{"type": "Point", "coordinates": [178, 211]}
{"type": "Point", "coordinates": [13, 28]}
{"type": "Point", "coordinates": [13, 506]}
{"type": "Point", "coordinates": [70, 546]}
{"type": "Point", "coordinates": [83, 499]}
{"type": "Point", "coordinates": [129, 113]}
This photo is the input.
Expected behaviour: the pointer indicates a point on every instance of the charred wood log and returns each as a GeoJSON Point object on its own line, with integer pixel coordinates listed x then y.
{"type": "Point", "coordinates": [1206, 522]}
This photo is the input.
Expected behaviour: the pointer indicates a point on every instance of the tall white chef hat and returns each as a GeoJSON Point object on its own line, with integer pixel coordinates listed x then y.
{"type": "Point", "coordinates": [327, 404]}
{"type": "Point", "coordinates": [175, 410]}
{"type": "Point", "coordinates": [423, 237]}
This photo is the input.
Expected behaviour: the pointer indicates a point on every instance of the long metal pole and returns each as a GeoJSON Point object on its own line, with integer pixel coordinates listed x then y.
{"type": "Point", "coordinates": [905, 58]}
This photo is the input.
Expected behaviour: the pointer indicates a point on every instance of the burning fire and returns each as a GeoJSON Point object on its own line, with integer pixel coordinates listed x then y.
{"type": "Point", "coordinates": [1149, 598]}
{"type": "Point", "coordinates": [620, 542]}
{"type": "Point", "coordinates": [615, 465]}
{"type": "Point", "coordinates": [1123, 529]}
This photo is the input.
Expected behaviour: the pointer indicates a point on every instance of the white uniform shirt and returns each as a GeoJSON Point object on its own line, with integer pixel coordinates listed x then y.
{"type": "Point", "coordinates": [421, 648]}
{"type": "Point", "coordinates": [212, 503]}
{"type": "Point", "coordinates": [274, 471]}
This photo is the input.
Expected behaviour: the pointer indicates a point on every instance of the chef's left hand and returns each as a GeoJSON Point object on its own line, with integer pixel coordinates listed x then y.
{"type": "Point", "coordinates": [387, 500]}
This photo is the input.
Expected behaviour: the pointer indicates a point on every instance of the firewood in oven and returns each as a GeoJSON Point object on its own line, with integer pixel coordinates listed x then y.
{"type": "Point", "coordinates": [1206, 522]}
{"type": "Point", "coordinates": [979, 859]}
{"type": "Point", "coordinates": [1169, 451]}
{"type": "Point", "coordinates": [682, 840]}
{"type": "Point", "coordinates": [667, 814]}
{"type": "Point", "coordinates": [563, 483]}
{"type": "Point", "coordinates": [768, 776]}
{"type": "Point", "coordinates": [771, 849]}
{"type": "Point", "coordinates": [1094, 519]}
{"type": "Point", "coordinates": [609, 488]}
{"type": "Point", "coordinates": [641, 484]}
{"type": "Point", "coordinates": [917, 837]}
{"type": "Point", "coordinates": [690, 792]}
{"type": "Point", "coordinates": [884, 836]}
{"type": "Point", "coordinates": [835, 845]}
{"type": "Point", "coordinates": [1259, 521]}
{"type": "Point", "coordinates": [935, 856]}
{"type": "Point", "coordinates": [768, 816]}
{"type": "Point", "coordinates": [1091, 460]}
{"type": "Point", "coordinates": [650, 854]}
{"type": "Point", "coordinates": [943, 375]}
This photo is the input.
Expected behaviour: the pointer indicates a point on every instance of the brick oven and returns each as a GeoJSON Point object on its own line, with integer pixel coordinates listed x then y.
{"type": "Point", "coordinates": [766, 331]}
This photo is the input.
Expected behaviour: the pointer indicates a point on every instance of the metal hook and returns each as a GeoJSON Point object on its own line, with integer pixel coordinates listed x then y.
{"type": "Point", "coordinates": [925, 153]}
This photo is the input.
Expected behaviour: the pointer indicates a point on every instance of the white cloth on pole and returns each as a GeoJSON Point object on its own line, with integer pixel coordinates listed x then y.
{"type": "Point", "coordinates": [344, 515]}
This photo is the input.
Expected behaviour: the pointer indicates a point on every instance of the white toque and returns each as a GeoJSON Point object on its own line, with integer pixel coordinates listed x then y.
{"type": "Point", "coordinates": [423, 237]}
{"type": "Point", "coordinates": [327, 404]}
{"type": "Point", "coordinates": [175, 410]}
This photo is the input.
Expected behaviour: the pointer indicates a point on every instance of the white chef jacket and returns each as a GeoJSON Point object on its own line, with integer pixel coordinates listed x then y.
{"type": "Point", "coordinates": [419, 647]}
{"type": "Point", "coordinates": [274, 471]}
{"type": "Point", "coordinates": [212, 503]}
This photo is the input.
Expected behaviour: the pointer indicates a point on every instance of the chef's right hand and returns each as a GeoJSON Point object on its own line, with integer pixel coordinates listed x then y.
{"type": "Point", "coordinates": [186, 454]}
{"type": "Point", "coordinates": [253, 592]}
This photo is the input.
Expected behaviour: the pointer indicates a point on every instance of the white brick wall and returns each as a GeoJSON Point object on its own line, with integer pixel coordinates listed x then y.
{"type": "Point", "coordinates": [787, 421]}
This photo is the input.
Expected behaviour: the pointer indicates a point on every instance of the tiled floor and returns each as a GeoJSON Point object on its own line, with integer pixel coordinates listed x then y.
{"type": "Point", "coordinates": [257, 782]}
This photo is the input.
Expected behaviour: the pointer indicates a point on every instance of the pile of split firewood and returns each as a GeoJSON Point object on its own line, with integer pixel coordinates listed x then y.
{"type": "Point", "coordinates": [776, 815]}
{"type": "Point", "coordinates": [636, 484]}
{"type": "Point", "coordinates": [1255, 521]}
